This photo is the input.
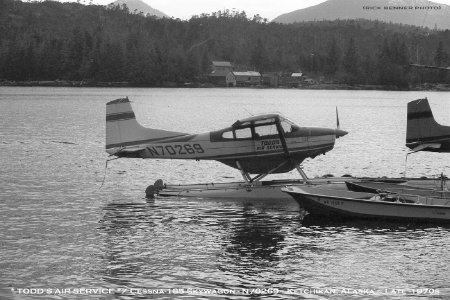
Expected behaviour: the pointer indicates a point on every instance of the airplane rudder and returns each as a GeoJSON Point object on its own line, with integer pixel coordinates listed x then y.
{"type": "Point", "coordinates": [420, 120]}
{"type": "Point", "coordinates": [120, 121]}
{"type": "Point", "coordinates": [123, 129]}
{"type": "Point", "coordinates": [119, 109]}
{"type": "Point", "coordinates": [419, 109]}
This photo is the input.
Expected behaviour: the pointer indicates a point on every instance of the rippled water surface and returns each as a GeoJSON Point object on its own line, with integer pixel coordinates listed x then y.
{"type": "Point", "coordinates": [61, 231]}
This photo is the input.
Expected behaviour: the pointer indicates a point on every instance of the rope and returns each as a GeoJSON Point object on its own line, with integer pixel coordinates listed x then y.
{"type": "Point", "coordinates": [406, 163]}
{"type": "Point", "coordinates": [104, 175]}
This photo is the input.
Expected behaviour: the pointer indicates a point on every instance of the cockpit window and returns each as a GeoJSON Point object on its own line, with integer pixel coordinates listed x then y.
{"type": "Point", "coordinates": [265, 121]}
{"type": "Point", "coordinates": [287, 126]}
{"type": "Point", "coordinates": [266, 130]}
{"type": "Point", "coordinates": [227, 135]}
{"type": "Point", "coordinates": [244, 133]}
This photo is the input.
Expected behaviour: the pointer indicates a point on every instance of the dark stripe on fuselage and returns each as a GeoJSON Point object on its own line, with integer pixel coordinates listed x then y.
{"type": "Point", "coordinates": [183, 138]}
{"type": "Point", "coordinates": [420, 115]}
{"type": "Point", "coordinates": [292, 151]}
{"type": "Point", "coordinates": [120, 116]}
{"type": "Point", "coordinates": [176, 138]}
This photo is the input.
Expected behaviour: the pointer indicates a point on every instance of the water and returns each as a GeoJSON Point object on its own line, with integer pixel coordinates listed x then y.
{"type": "Point", "coordinates": [60, 232]}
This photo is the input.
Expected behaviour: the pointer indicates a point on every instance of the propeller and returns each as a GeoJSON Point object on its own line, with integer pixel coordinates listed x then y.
{"type": "Point", "coordinates": [337, 118]}
{"type": "Point", "coordinates": [338, 131]}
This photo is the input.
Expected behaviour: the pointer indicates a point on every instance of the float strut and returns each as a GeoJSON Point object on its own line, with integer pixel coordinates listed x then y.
{"type": "Point", "coordinates": [259, 177]}
{"type": "Point", "coordinates": [302, 173]}
{"type": "Point", "coordinates": [244, 174]}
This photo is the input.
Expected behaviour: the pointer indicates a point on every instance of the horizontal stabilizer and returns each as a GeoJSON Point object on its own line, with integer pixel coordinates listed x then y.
{"type": "Point", "coordinates": [128, 151]}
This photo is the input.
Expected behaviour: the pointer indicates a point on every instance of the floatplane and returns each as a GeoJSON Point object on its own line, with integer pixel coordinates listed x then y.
{"type": "Point", "coordinates": [423, 133]}
{"type": "Point", "coordinates": [259, 145]}
{"type": "Point", "coordinates": [413, 201]}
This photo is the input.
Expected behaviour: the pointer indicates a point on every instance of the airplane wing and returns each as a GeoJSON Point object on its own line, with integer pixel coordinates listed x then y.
{"type": "Point", "coordinates": [428, 146]}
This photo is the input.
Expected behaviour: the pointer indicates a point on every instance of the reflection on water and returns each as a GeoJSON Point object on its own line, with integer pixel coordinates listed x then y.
{"type": "Point", "coordinates": [166, 240]}
{"type": "Point", "coordinates": [60, 230]}
{"type": "Point", "coordinates": [179, 243]}
{"type": "Point", "coordinates": [237, 244]}
{"type": "Point", "coordinates": [255, 237]}
{"type": "Point", "coordinates": [369, 224]}
{"type": "Point", "coordinates": [121, 226]}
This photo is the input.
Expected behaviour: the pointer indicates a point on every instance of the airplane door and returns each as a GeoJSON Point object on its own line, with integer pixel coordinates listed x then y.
{"type": "Point", "coordinates": [295, 136]}
{"type": "Point", "coordinates": [267, 139]}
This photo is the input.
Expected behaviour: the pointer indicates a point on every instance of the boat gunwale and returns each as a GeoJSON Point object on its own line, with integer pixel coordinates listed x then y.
{"type": "Point", "coordinates": [411, 187]}
{"type": "Point", "coordinates": [408, 190]}
{"type": "Point", "coordinates": [369, 200]}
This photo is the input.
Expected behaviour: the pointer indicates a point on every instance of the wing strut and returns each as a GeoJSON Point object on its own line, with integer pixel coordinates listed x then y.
{"type": "Point", "coordinates": [248, 179]}
{"type": "Point", "coordinates": [288, 154]}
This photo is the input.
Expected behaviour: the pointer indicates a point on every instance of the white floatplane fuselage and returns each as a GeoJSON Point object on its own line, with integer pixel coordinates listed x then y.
{"type": "Point", "coordinates": [262, 145]}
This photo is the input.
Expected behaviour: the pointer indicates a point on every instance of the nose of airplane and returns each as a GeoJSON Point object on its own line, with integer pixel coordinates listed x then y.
{"type": "Point", "coordinates": [340, 132]}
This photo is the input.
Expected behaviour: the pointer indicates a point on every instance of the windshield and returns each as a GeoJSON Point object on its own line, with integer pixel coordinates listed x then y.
{"type": "Point", "coordinates": [288, 125]}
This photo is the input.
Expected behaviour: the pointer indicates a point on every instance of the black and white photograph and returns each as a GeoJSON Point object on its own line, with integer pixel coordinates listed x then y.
{"type": "Point", "coordinates": [205, 149]}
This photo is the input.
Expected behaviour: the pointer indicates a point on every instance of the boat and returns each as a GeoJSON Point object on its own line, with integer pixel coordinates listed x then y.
{"type": "Point", "coordinates": [418, 187]}
{"type": "Point", "coordinates": [344, 204]}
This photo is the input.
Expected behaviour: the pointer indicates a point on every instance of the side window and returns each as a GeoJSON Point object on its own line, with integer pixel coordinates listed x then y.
{"type": "Point", "coordinates": [227, 135]}
{"type": "Point", "coordinates": [243, 133]}
{"type": "Point", "coordinates": [266, 130]}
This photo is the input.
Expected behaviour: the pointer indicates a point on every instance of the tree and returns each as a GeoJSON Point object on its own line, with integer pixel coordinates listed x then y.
{"type": "Point", "coordinates": [333, 58]}
{"type": "Point", "coordinates": [391, 65]}
{"type": "Point", "coordinates": [50, 40]}
{"type": "Point", "coordinates": [112, 63]}
{"type": "Point", "coordinates": [351, 59]}
{"type": "Point", "coordinates": [440, 59]}
{"type": "Point", "coordinates": [258, 57]}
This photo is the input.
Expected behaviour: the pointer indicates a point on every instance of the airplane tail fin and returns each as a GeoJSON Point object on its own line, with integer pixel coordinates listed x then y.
{"type": "Point", "coordinates": [422, 131]}
{"type": "Point", "coordinates": [124, 131]}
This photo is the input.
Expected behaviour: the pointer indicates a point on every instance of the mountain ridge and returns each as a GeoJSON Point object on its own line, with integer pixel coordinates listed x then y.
{"type": "Point", "coordinates": [140, 6]}
{"type": "Point", "coordinates": [421, 13]}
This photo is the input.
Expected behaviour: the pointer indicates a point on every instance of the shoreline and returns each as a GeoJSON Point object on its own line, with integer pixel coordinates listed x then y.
{"type": "Point", "coordinates": [438, 87]}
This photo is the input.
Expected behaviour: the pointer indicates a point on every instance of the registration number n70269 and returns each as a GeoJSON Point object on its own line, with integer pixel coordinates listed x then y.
{"type": "Point", "coordinates": [175, 149]}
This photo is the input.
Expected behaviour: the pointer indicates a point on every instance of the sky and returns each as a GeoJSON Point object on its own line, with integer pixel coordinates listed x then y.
{"type": "Point", "coordinates": [270, 9]}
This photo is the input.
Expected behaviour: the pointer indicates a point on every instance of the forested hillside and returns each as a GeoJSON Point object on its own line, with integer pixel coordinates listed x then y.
{"type": "Point", "coordinates": [69, 41]}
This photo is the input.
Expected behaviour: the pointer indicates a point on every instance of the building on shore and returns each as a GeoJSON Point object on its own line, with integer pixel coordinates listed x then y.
{"type": "Point", "coordinates": [222, 74]}
{"type": "Point", "coordinates": [220, 70]}
{"type": "Point", "coordinates": [291, 79]}
{"type": "Point", "coordinates": [270, 79]}
{"type": "Point", "coordinates": [247, 78]}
